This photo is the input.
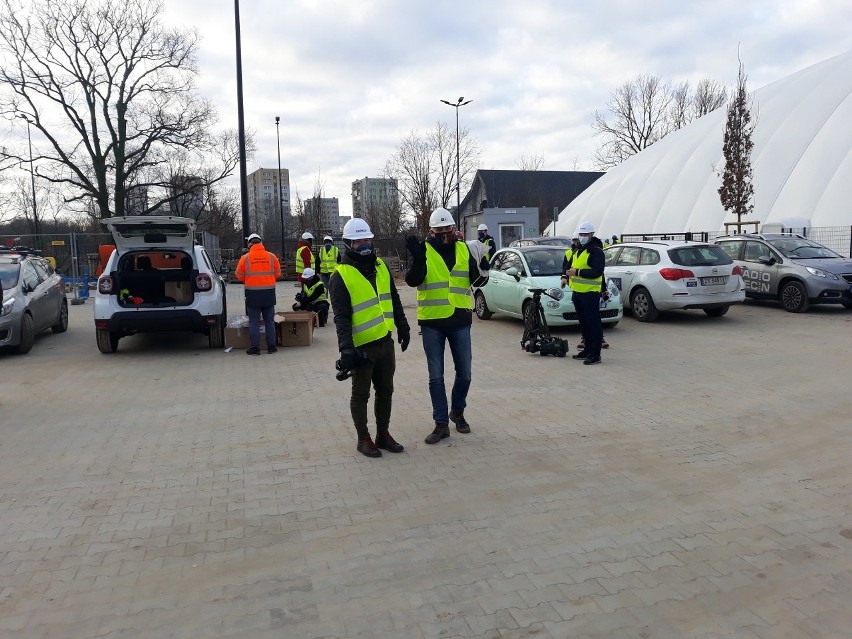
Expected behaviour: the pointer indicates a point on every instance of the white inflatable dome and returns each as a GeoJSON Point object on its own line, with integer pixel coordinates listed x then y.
{"type": "Point", "coordinates": [802, 162]}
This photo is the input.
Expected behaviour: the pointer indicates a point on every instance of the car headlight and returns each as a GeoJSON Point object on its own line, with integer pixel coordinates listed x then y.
{"type": "Point", "coordinates": [7, 306]}
{"type": "Point", "coordinates": [820, 273]}
{"type": "Point", "coordinates": [552, 304]}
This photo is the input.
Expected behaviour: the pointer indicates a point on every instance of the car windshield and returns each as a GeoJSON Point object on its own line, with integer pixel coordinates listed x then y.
{"type": "Point", "coordinates": [9, 275]}
{"type": "Point", "coordinates": [555, 241]}
{"type": "Point", "coordinates": [544, 261]}
{"type": "Point", "coordinates": [699, 255]}
{"type": "Point", "coordinates": [795, 247]}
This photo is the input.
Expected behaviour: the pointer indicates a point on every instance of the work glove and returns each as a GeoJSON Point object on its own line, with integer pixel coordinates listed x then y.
{"type": "Point", "coordinates": [415, 247]}
{"type": "Point", "coordinates": [349, 359]}
{"type": "Point", "coordinates": [404, 338]}
{"type": "Point", "coordinates": [484, 264]}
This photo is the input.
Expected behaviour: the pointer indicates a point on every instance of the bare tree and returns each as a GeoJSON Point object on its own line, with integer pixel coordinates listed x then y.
{"type": "Point", "coordinates": [708, 96]}
{"type": "Point", "coordinates": [530, 163]}
{"type": "Point", "coordinates": [424, 166]}
{"type": "Point", "coordinates": [112, 93]}
{"type": "Point", "coordinates": [644, 110]}
{"type": "Point", "coordinates": [737, 190]}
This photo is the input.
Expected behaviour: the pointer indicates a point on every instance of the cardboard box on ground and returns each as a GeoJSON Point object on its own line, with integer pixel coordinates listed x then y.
{"type": "Point", "coordinates": [293, 328]}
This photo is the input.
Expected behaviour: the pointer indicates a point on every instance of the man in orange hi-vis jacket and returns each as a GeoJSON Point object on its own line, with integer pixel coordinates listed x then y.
{"type": "Point", "coordinates": [258, 270]}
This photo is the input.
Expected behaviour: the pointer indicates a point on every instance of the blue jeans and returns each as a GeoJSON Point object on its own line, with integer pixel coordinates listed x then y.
{"type": "Point", "coordinates": [254, 313]}
{"type": "Point", "coordinates": [433, 346]}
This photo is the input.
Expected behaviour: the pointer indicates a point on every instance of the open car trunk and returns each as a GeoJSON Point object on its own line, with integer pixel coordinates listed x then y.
{"type": "Point", "coordinates": [154, 278]}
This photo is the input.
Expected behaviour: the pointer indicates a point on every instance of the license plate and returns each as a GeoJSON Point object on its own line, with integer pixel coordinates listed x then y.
{"type": "Point", "coordinates": [713, 281]}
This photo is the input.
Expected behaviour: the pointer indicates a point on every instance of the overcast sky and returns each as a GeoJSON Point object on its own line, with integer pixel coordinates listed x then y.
{"type": "Point", "coordinates": [351, 78]}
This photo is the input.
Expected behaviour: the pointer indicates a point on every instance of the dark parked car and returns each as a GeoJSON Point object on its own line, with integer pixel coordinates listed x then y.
{"type": "Point", "coordinates": [33, 299]}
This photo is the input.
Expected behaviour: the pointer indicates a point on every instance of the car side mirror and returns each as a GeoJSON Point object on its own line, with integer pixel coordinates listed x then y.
{"type": "Point", "coordinates": [769, 261]}
{"type": "Point", "coordinates": [514, 273]}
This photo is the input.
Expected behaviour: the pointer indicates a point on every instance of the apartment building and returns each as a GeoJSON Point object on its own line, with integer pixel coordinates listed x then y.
{"type": "Point", "coordinates": [372, 193]}
{"type": "Point", "coordinates": [263, 185]}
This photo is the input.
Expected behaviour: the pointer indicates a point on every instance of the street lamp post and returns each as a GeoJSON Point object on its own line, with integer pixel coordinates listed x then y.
{"type": "Point", "coordinates": [32, 179]}
{"type": "Point", "coordinates": [456, 106]}
{"type": "Point", "coordinates": [241, 125]}
{"type": "Point", "coordinates": [280, 196]}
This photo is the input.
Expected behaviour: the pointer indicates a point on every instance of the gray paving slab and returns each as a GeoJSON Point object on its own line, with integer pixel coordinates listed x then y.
{"type": "Point", "coordinates": [696, 484]}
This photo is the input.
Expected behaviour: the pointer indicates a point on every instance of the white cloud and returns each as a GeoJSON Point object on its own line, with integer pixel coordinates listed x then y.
{"type": "Point", "coordinates": [351, 79]}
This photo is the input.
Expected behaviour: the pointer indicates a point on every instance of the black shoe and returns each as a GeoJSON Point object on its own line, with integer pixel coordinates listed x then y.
{"type": "Point", "coordinates": [458, 419]}
{"type": "Point", "coordinates": [272, 349]}
{"type": "Point", "coordinates": [442, 431]}
{"type": "Point", "coordinates": [592, 359]}
{"type": "Point", "coordinates": [581, 355]}
{"type": "Point", "coordinates": [386, 441]}
{"type": "Point", "coordinates": [254, 350]}
{"type": "Point", "coordinates": [367, 448]}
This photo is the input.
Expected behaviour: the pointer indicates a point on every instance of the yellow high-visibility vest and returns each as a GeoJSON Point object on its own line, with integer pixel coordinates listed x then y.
{"type": "Point", "coordinates": [583, 284]}
{"type": "Point", "coordinates": [372, 309]}
{"type": "Point", "coordinates": [444, 290]}
{"type": "Point", "coordinates": [309, 290]}
{"type": "Point", "coordinates": [328, 259]}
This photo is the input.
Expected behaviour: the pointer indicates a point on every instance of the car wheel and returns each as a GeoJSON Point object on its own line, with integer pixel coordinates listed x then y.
{"type": "Point", "coordinates": [62, 325]}
{"type": "Point", "coordinates": [717, 312]}
{"type": "Point", "coordinates": [528, 313]}
{"type": "Point", "coordinates": [481, 307]}
{"type": "Point", "coordinates": [216, 333]}
{"type": "Point", "coordinates": [642, 305]}
{"type": "Point", "coordinates": [27, 334]}
{"type": "Point", "coordinates": [107, 341]}
{"type": "Point", "coordinates": [794, 297]}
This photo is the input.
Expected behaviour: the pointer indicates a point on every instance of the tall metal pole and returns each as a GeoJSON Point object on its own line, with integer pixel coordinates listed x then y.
{"type": "Point", "coordinates": [32, 178]}
{"type": "Point", "coordinates": [456, 105]}
{"type": "Point", "coordinates": [280, 196]}
{"type": "Point", "coordinates": [242, 127]}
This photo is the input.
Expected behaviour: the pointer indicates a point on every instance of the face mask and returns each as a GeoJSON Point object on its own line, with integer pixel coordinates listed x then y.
{"type": "Point", "coordinates": [584, 240]}
{"type": "Point", "coordinates": [327, 246]}
{"type": "Point", "coordinates": [481, 234]}
{"type": "Point", "coordinates": [365, 249]}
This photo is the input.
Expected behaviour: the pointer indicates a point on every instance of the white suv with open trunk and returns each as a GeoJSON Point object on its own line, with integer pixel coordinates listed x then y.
{"type": "Point", "coordinates": [157, 279]}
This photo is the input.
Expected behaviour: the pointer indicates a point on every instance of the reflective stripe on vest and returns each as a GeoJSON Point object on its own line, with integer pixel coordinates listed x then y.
{"type": "Point", "coordinates": [300, 265]}
{"type": "Point", "coordinates": [372, 309]}
{"type": "Point", "coordinates": [309, 290]}
{"type": "Point", "coordinates": [262, 274]}
{"type": "Point", "coordinates": [444, 290]}
{"type": "Point", "coordinates": [328, 259]}
{"type": "Point", "coordinates": [584, 284]}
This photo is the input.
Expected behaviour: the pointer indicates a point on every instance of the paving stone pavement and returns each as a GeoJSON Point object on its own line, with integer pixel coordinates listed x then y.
{"type": "Point", "coordinates": [697, 484]}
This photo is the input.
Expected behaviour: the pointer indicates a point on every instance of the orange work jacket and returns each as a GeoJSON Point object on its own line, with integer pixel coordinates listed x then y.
{"type": "Point", "coordinates": [258, 269]}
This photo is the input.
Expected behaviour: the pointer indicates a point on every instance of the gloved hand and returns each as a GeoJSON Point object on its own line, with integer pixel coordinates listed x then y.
{"type": "Point", "coordinates": [415, 247]}
{"type": "Point", "coordinates": [484, 264]}
{"type": "Point", "coordinates": [349, 359]}
{"type": "Point", "coordinates": [404, 337]}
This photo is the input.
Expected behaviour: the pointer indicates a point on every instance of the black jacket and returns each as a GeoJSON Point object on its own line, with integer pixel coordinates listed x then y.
{"type": "Point", "coordinates": [341, 302]}
{"type": "Point", "coordinates": [319, 290]}
{"type": "Point", "coordinates": [415, 275]}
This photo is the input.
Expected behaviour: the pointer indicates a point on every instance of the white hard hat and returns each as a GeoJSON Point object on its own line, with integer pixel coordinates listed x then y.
{"type": "Point", "coordinates": [328, 237]}
{"type": "Point", "coordinates": [357, 229]}
{"type": "Point", "coordinates": [308, 273]}
{"type": "Point", "coordinates": [586, 227]}
{"type": "Point", "coordinates": [252, 237]}
{"type": "Point", "coordinates": [307, 236]}
{"type": "Point", "coordinates": [482, 227]}
{"type": "Point", "coordinates": [441, 217]}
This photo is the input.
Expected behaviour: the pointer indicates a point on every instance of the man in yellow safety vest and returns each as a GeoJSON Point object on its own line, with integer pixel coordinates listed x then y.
{"type": "Point", "coordinates": [367, 309]}
{"type": "Point", "coordinates": [442, 269]}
